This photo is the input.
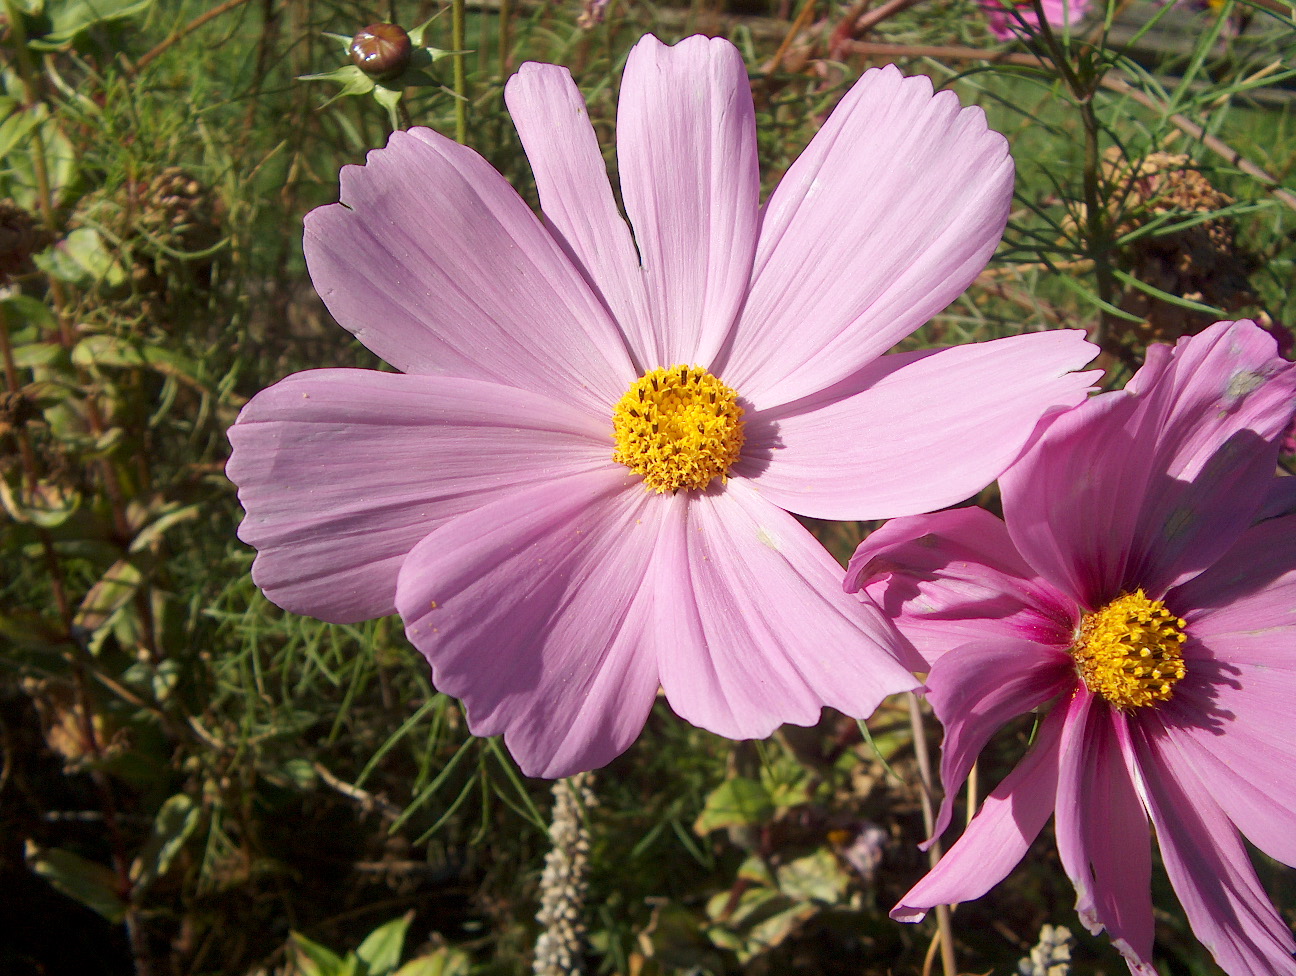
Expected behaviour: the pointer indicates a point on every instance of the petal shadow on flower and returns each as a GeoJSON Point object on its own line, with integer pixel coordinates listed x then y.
{"type": "Point", "coordinates": [761, 439]}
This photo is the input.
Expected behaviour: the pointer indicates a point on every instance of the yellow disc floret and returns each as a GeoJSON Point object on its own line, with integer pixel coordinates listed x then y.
{"type": "Point", "coordinates": [679, 427]}
{"type": "Point", "coordinates": [1130, 651]}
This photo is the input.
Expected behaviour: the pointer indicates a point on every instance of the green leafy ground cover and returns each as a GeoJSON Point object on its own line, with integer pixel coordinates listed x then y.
{"type": "Point", "coordinates": [194, 782]}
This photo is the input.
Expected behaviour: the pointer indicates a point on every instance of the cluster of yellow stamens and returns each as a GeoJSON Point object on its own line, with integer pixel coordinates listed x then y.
{"type": "Point", "coordinates": [679, 427]}
{"type": "Point", "coordinates": [1129, 652]}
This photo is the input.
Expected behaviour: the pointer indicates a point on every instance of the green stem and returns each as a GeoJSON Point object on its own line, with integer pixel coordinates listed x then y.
{"type": "Point", "coordinates": [457, 41]}
{"type": "Point", "coordinates": [1098, 235]}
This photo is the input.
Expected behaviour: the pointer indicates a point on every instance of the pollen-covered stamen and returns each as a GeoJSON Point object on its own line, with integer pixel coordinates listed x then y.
{"type": "Point", "coordinates": [1130, 651]}
{"type": "Point", "coordinates": [679, 427]}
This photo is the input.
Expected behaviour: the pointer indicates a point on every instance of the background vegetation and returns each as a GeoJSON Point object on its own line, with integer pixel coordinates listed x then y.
{"type": "Point", "coordinates": [194, 782]}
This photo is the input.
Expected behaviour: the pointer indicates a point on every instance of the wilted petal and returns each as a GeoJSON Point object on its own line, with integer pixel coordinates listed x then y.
{"type": "Point", "coordinates": [927, 430]}
{"type": "Point", "coordinates": [998, 837]}
{"type": "Point", "coordinates": [1149, 486]}
{"type": "Point", "coordinates": [891, 211]}
{"type": "Point", "coordinates": [436, 264]}
{"type": "Point", "coordinates": [572, 181]}
{"type": "Point", "coordinates": [538, 612]}
{"type": "Point", "coordinates": [978, 687]}
{"type": "Point", "coordinates": [1102, 832]}
{"type": "Point", "coordinates": [1209, 867]}
{"type": "Point", "coordinates": [953, 577]}
{"type": "Point", "coordinates": [342, 471]}
{"type": "Point", "coordinates": [686, 145]}
{"type": "Point", "coordinates": [756, 628]}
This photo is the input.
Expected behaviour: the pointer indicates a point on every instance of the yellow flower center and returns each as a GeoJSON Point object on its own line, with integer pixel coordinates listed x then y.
{"type": "Point", "coordinates": [679, 427]}
{"type": "Point", "coordinates": [1129, 652]}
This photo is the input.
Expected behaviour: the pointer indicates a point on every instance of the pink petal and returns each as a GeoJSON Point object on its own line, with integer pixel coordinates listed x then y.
{"type": "Point", "coordinates": [953, 577]}
{"type": "Point", "coordinates": [998, 837]}
{"type": "Point", "coordinates": [1148, 487]}
{"type": "Point", "coordinates": [891, 211]}
{"type": "Point", "coordinates": [436, 264]}
{"type": "Point", "coordinates": [940, 427]}
{"type": "Point", "coordinates": [1281, 499]}
{"type": "Point", "coordinates": [1102, 832]}
{"type": "Point", "coordinates": [537, 611]}
{"type": "Point", "coordinates": [760, 632]}
{"type": "Point", "coordinates": [686, 145]}
{"type": "Point", "coordinates": [572, 180]}
{"type": "Point", "coordinates": [1240, 609]}
{"type": "Point", "coordinates": [1251, 779]}
{"type": "Point", "coordinates": [976, 688]}
{"type": "Point", "coordinates": [1208, 866]}
{"type": "Point", "coordinates": [343, 471]}
{"type": "Point", "coordinates": [1058, 13]}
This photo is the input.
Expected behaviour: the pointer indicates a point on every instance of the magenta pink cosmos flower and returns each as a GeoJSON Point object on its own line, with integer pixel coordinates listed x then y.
{"type": "Point", "coordinates": [1005, 17]}
{"type": "Point", "coordinates": [574, 493]}
{"type": "Point", "coordinates": [1134, 586]}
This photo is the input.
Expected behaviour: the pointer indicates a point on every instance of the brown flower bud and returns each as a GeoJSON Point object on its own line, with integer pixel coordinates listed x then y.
{"type": "Point", "coordinates": [381, 50]}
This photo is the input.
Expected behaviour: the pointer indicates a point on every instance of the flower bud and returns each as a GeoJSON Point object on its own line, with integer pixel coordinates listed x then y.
{"type": "Point", "coordinates": [381, 50]}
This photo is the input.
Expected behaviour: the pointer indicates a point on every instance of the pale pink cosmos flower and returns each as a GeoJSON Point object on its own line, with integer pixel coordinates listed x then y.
{"type": "Point", "coordinates": [577, 489]}
{"type": "Point", "coordinates": [1005, 17]}
{"type": "Point", "coordinates": [1136, 584]}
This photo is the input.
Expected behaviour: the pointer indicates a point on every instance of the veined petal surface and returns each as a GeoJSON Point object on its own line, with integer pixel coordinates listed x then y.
{"type": "Point", "coordinates": [343, 471]}
{"type": "Point", "coordinates": [760, 631]}
{"type": "Point", "coordinates": [571, 177]}
{"type": "Point", "coordinates": [686, 147]}
{"type": "Point", "coordinates": [891, 211]}
{"type": "Point", "coordinates": [1149, 486]}
{"type": "Point", "coordinates": [436, 264]}
{"type": "Point", "coordinates": [538, 613]}
{"type": "Point", "coordinates": [1102, 832]}
{"type": "Point", "coordinates": [1208, 866]}
{"type": "Point", "coordinates": [953, 577]}
{"type": "Point", "coordinates": [926, 430]}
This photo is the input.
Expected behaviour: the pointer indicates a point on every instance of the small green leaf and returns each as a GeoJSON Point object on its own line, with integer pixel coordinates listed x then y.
{"type": "Point", "coordinates": [309, 958]}
{"type": "Point", "coordinates": [93, 885]}
{"type": "Point", "coordinates": [168, 516]}
{"type": "Point", "coordinates": [68, 18]}
{"type": "Point", "coordinates": [172, 826]}
{"type": "Point", "coordinates": [381, 949]}
{"type": "Point", "coordinates": [82, 258]}
{"type": "Point", "coordinates": [113, 591]}
{"type": "Point", "coordinates": [739, 802]}
{"type": "Point", "coordinates": [445, 961]}
{"type": "Point", "coordinates": [817, 877]}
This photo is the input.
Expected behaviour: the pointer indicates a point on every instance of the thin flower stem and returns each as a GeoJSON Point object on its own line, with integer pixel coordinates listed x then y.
{"type": "Point", "coordinates": [1098, 236]}
{"type": "Point", "coordinates": [457, 42]}
{"type": "Point", "coordinates": [505, 40]}
{"type": "Point", "coordinates": [943, 928]}
{"type": "Point", "coordinates": [31, 95]}
{"type": "Point", "coordinates": [889, 9]}
{"type": "Point", "coordinates": [182, 33]}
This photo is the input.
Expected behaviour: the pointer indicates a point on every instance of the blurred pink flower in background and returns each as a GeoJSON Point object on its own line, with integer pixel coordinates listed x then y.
{"type": "Point", "coordinates": [575, 490]}
{"type": "Point", "coordinates": [1136, 586]}
{"type": "Point", "coordinates": [1005, 16]}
